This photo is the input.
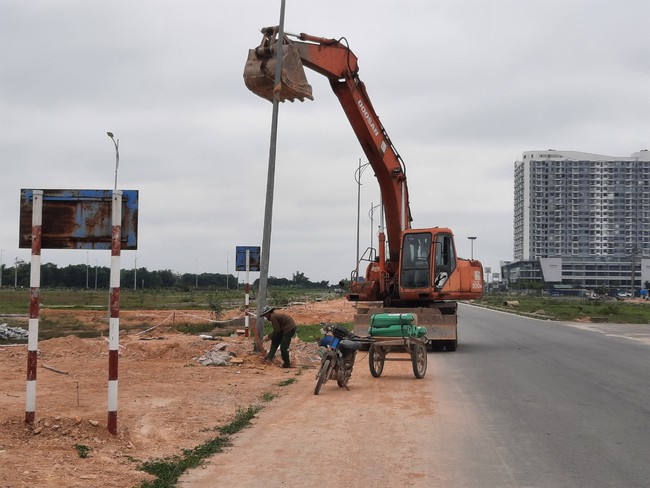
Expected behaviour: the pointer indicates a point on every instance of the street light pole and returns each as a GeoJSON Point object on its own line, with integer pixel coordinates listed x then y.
{"type": "Point", "coordinates": [117, 154]}
{"type": "Point", "coordinates": [357, 178]}
{"type": "Point", "coordinates": [633, 270]}
{"type": "Point", "coordinates": [1, 266]}
{"type": "Point", "coordinates": [371, 214]}
{"type": "Point", "coordinates": [472, 239]}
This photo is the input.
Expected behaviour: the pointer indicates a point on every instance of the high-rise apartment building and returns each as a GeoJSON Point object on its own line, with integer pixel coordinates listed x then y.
{"type": "Point", "coordinates": [572, 207]}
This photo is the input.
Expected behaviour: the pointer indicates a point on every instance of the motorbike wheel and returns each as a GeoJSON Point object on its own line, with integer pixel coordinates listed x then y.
{"type": "Point", "coordinates": [376, 362]}
{"type": "Point", "coordinates": [419, 359]}
{"type": "Point", "coordinates": [346, 365]}
{"type": "Point", "coordinates": [322, 375]}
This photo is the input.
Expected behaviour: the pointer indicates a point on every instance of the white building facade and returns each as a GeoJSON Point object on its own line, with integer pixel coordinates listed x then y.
{"type": "Point", "coordinates": [585, 218]}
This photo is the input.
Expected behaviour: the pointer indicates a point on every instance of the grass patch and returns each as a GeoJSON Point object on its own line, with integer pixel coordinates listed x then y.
{"type": "Point", "coordinates": [309, 333]}
{"type": "Point", "coordinates": [198, 328]}
{"type": "Point", "coordinates": [16, 300]}
{"type": "Point", "coordinates": [168, 471]}
{"type": "Point", "coordinates": [82, 450]}
{"type": "Point", "coordinates": [312, 333]}
{"type": "Point", "coordinates": [49, 328]}
{"type": "Point", "coordinates": [268, 396]}
{"type": "Point", "coordinates": [570, 309]}
{"type": "Point", "coordinates": [241, 421]}
{"type": "Point", "coordinates": [287, 382]}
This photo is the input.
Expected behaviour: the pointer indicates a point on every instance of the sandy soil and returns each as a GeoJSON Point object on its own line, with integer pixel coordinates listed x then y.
{"type": "Point", "coordinates": [167, 401]}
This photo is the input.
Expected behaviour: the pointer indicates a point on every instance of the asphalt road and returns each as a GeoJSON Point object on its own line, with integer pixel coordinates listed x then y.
{"type": "Point", "coordinates": [547, 405]}
{"type": "Point", "coordinates": [521, 403]}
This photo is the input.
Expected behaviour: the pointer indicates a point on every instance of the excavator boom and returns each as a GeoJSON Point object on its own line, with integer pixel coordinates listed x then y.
{"type": "Point", "coordinates": [421, 267]}
{"type": "Point", "coordinates": [335, 61]}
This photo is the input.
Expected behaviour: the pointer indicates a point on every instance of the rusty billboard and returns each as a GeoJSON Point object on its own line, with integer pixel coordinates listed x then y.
{"type": "Point", "coordinates": [79, 219]}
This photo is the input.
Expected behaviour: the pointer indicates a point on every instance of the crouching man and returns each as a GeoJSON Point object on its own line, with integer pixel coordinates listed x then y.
{"type": "Point", "coordinates": [284, 328]}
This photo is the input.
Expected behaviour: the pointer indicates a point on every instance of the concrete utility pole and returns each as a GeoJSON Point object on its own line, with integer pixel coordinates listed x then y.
{"type": "Point", "coordinates": [270, 180]}
{"type": "Point", "coordinates": [2, 268]}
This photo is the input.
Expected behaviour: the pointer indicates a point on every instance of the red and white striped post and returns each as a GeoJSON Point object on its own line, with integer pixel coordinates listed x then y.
{"type": "Point", "coordinates": [247, 301]}
{"type": "Point", "coordinates": [114, 321]}
{"type": "Point", "coordinates": [34, 304]}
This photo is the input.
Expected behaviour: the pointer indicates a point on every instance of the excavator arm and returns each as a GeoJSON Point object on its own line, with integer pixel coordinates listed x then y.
{"type": "Point", "coordinates": [334, 60]}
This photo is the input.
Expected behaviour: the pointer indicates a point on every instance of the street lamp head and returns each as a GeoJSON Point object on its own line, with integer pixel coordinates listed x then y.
{"type": "Point", "coordinates": [116, 143]}
{"type": "Point", "coordinates": [471, 240]}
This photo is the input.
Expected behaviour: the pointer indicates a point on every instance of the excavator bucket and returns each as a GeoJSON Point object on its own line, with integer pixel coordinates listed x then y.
{"type": "Point", "coordinates": [259, 72]}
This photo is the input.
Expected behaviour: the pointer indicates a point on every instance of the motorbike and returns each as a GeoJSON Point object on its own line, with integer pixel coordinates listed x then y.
{"type": "Point", "coordinates": [339, 349]}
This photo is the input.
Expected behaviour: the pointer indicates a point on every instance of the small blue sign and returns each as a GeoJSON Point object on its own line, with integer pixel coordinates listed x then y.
{"type": "Point", "coordinates": [253, 258]}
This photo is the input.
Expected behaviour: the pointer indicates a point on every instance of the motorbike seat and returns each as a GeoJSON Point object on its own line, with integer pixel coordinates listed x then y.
{"type": "Point", "coordinates": [349, 345]}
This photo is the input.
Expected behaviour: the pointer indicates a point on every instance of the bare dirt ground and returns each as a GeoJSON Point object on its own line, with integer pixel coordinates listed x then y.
{"type": "Point", "coordinates": [167, 400]}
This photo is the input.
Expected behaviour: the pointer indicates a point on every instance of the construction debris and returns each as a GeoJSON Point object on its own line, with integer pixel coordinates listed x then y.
{"type": "Point", "coordinates": [60, 371]}
{"type": "Point", "coordinates": [12, 333]}
{"type": "Point", "coordinates": [216, 356]}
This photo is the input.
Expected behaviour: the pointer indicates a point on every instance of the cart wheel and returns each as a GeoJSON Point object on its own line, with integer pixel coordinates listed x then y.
{"type": "Point", "coordinates": [322, 376]}
{"type": "Point", "coordinates": [419, 359]}
{"type": "Point", "coordinates": [376, 362]}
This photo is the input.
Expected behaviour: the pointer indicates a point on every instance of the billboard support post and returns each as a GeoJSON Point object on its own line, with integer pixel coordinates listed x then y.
{"type": "Point", "coordinates": [248, 292]}
{"type": "Point", "coordinates": [34, 305]}
{"type": "Point", "coordinates": [114, 321]}
{"type": "Point", "coordinates": [247, 258]}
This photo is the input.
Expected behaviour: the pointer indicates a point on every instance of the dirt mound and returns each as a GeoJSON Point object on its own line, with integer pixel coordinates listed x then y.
{"type": "Point", "coordinates": [71, 345]}
{"type": "Point", "coordinates": [167, 400]}
{"type": "Point", "coordinates": [171, 347]}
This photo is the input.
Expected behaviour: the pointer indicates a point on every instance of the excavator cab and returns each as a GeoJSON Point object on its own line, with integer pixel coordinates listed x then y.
{"type": "Point", "coordinates": [259, 72]}
{"type": "Point", "coordinates": [430, 270]}
{"type": "Point", "coordinates": [415, 271]}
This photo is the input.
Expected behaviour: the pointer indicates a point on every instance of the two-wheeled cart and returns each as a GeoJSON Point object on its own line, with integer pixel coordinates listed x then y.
{"type": "Point", "coordinates": [381, 347]}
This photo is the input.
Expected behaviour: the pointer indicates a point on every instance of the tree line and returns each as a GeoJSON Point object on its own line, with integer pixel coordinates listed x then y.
{"type": "Point", "coordinates": [98, 277]}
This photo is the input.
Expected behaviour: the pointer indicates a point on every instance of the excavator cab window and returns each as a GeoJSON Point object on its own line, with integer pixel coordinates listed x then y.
{"type": "Point", "coordinates": [416, 261]}
{"type": "Point", "coordinates": [445, 259]}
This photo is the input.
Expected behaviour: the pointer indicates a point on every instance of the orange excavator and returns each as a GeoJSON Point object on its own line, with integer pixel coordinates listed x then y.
{"type": "Point", "coordinates": [416, 270]}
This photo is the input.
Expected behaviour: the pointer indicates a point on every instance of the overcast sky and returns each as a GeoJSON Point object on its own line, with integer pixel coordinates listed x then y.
{"type": "Point", "coordinates": [462, 87]}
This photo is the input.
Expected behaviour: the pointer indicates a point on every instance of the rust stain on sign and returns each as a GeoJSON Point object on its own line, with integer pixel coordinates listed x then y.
{"type": "Point", "coordinates": [79, 219]}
